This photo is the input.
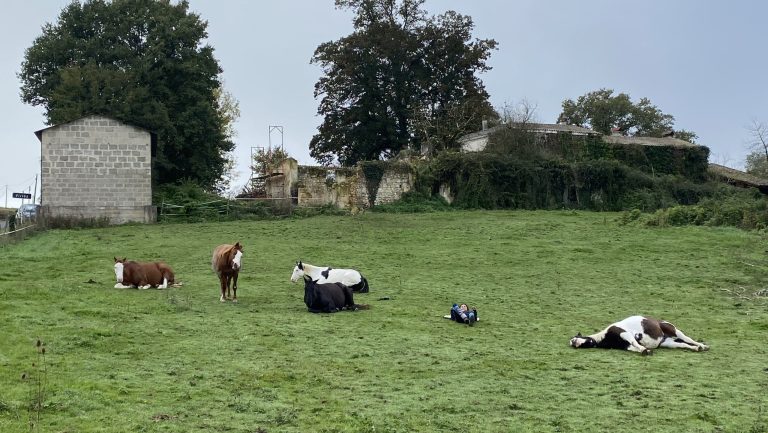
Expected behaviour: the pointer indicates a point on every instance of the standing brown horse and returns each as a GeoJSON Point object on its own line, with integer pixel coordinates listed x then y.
{"type": "Point", "coordinates": [226, 263]}
{"type": "Point", "coordinates": [142, 274]}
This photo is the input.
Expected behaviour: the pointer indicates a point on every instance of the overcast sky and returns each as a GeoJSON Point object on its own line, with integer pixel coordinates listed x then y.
{"type": "Point", "coordinates": [703, 62]}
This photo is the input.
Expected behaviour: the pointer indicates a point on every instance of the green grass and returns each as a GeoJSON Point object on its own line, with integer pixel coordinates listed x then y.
{"type": "Point", "coordinates": [178, 360]}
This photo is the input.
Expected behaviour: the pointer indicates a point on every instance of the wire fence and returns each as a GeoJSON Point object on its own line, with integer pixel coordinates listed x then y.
{"type": "Point", "coordinates": [242, 208]}
{"type": "Point", "coordinates": [223, 209]}
{"type": "Point", "coordinates": [19, 233]}
{"type": "Point", "coordinates": [214, 210]}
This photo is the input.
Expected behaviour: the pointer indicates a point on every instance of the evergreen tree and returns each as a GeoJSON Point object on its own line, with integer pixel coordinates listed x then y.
{"type": "Point", "coordinates": [142, 62]}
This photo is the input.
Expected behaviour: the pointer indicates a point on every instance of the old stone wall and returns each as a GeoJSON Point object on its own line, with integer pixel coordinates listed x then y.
{"type": "Point", "coordinates": [346, 187]}
{"type": "Point", "coordinates": [97, 167]}
{"type": "Point", "coordinates": [318, 186]}
{"type": "Point", "coordinates": [393, 184]}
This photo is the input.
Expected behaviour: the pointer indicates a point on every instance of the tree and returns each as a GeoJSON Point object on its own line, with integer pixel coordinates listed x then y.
{"type": "Point", "coordinates": [142, 62]}
{"type": "Point", "coordinates": [757, 165]}
{"type": "Point", "coordinates": [518, 137]}
{"type": "Point", "coordinates": [757, 160]}
{"type": "Point", "coordinates": [603, 111]}
{"type": "Point", "coordinates": [758, 141]}
{"type": "Point", "coordinates": [265, 161]}
{"type": "Point", "coordinates": [400, 79]}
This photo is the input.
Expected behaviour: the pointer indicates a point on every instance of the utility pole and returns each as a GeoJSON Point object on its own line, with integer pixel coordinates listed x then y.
{"type": "Point", "coordinates": [34, 196]}
{"type": "Point", "coordinates": [6, 196]}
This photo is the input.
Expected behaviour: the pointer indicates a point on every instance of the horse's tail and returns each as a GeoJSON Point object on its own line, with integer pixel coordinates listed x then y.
{"type": "Point", "coordinates": [362, 286]}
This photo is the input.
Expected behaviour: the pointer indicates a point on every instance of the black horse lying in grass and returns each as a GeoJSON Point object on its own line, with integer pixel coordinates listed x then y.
{"type": "Point", "coordinates": [328, 297]}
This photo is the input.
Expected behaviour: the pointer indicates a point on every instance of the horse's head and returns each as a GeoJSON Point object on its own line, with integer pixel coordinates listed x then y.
{"type": "Point", "coordinates": [581, 342]}
{"type": "Point", "coordinates": [238, 256]}
{"type": "Point", "coordinates": [119, 264]}
{"type": "Point", "coordinates": [298, 272]}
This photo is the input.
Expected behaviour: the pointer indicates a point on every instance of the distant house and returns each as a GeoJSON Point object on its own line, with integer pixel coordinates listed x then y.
{"type": "Point", "coordinates": [739, 178]}
{"type": "Point", "coordinates": [97, 167]}
{"type": "Point", "coordinates": [477, 141]}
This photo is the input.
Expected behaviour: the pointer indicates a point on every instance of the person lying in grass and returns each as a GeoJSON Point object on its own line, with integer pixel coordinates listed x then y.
{"type": "Point", "coordinates": [461, 313]}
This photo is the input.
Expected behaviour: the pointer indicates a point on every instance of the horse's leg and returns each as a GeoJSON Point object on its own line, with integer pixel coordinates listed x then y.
{"type": "Point", "coordinates": [229, 286]}
{"type": "Point", "coordinates": [349, 301]}
{"type": "Point", "coordinates": [676, 343]}
{"type": "Point", "coordinates": [223, 283]}
{"type": "Point", "coordinates": [234, 286]}
{"type": "Point", "coordinates": [634, 346]}
{"type": "Point", "coordinates": [670, 329]}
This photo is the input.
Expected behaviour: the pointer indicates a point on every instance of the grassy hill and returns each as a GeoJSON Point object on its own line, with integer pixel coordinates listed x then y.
{"type": "Point", "coordinates": [178, 360]}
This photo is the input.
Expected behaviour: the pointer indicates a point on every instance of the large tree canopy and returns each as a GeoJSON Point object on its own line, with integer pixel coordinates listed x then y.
{"type": "Point", "coordinates": [602, 111]}
{"type": "Point", "coordinates": [401, 79]}
{"type": "Point", "coordinates": [143, 62]}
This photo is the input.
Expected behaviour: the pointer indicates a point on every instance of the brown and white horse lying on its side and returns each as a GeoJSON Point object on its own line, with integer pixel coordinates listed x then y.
{"type": "Point", "coordinates": [638, 334]}
{"type": "Point", "coordinates": [142, 274]}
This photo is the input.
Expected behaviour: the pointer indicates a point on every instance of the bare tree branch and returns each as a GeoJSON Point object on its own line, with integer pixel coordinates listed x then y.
{"type": "Point", "coordinates": [758, 131]}
{"type": "Point", "coordinates": [520, 114]}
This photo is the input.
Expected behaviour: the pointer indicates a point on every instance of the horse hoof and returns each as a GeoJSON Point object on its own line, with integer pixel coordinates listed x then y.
{"type": "Point", "coordinates": [646, 352]}
{"type": "Point", "coordinates": [222, 299]}
{"type": "Point", "coordinates": [234, 300]}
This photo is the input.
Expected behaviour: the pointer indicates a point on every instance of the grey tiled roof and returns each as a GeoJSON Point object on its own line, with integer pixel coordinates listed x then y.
{"type": "Point", "coordinates": [534, 127]}
{"type": "Point", "coordinates": [737, 175]}
{"type": "Point", "coordinates": [647, 141]}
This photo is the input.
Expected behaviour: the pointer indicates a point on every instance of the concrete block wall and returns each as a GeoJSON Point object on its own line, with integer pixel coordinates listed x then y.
{"type": "Point", "coordinates": [97, 166]}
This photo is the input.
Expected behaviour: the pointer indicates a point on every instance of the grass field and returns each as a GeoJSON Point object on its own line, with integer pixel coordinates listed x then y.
{"type": "Point", "coordinates": [178, 360]}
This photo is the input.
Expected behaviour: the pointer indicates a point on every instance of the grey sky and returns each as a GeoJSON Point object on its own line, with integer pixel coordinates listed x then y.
{"type": "Point", "coordinates": [699, 61]}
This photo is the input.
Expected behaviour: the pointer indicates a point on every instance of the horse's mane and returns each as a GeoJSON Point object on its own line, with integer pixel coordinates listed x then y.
{"type": "Point", "coordinates": [221, 255]}
{"type": "Point", "coordinates": [311, 268]}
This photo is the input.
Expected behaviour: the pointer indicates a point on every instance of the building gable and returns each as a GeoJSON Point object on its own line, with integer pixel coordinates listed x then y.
{"type": "Point", "coordinates": [97, 167]}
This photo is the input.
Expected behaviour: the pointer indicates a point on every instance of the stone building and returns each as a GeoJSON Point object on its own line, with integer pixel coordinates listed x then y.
{"type": "Point", "coordinates": [97, 167]}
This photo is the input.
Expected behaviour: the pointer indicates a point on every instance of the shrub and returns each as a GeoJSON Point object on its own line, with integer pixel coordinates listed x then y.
{"type": "Point", "coordinates": [71, 222]}
{"type": "Point", "coordinates": [740, 209]}
{"type": "Point", "coordinates": [414, 202]}
{"type": "Point", "coordinates": [490, 181]}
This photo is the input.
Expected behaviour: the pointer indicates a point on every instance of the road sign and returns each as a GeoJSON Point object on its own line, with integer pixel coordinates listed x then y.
{"type": "Point", "coordinates": [21, 195]}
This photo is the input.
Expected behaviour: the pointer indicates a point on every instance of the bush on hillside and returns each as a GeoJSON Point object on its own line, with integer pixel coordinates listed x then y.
{"type": "Point", "coordinates": [747, 210]}
{"type": "Point", "coordinates": [491, 181]}
{"type": "Point", "coordinates": [690, 161]}
{"type": "Point", "coordinates": [414, 202]}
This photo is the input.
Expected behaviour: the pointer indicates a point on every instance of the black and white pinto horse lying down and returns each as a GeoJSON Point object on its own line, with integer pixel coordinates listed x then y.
{"type": "Point", "coordinates": [638, 334]}
{"type": "Point", "coordinates": [328, 297]}
{"type": "Point", "coordinates": [349, 277]}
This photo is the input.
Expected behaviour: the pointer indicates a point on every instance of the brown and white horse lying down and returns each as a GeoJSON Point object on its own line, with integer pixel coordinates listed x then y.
{"type": "Point", "coordinates": [638, 334]}
{"type": "Point", "coordinates": [142, 274]}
